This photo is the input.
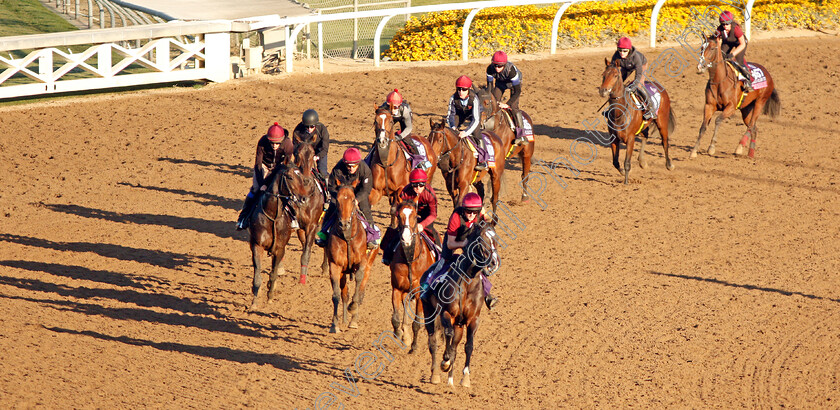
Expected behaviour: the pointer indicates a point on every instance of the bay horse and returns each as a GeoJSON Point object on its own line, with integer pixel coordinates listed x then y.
{"type": "Point", "coordinates": [411, 258]}
{"type": "Point", "coordinates": [307, 203]}
{"type": "Point", "coordinates": [457, 163]}
{"type": "Point", "coordinates": [625, 121]}
{"type": "Point", "coordinates": [349, 258]}
{"type": "Point", "coordinates": [723, 93]}
{"type": "Point", "coordinates": [459, 312]}
{"type": "Point", "coordinates": [389, 166]}
{"type": "Point", "coordinates": [270, 230]}
{"type": "Point", "coordinates": [498, 120]}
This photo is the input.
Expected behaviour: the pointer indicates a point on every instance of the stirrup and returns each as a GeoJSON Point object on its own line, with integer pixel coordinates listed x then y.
{"type": "Point", "coordinates": [490, 301]}
{"type": "Point", "coordinates": [480, 166]}
{"type": "Point", "coordinates": [294, 224]}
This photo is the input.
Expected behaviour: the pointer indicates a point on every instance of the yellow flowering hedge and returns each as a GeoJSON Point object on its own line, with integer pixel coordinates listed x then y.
{"type": "Point", "coordinates": [524, 29]}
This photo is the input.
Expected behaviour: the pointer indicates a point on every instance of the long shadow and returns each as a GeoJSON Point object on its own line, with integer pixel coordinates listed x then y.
{"type": "Point", "coordinates": [746, 177]}
{"type": "Point", "coordinates": [133, 314]}
{"type": "Point", "coordinates": [203, 199]}
{"type": "Point", "coordinates": [745, 286]}
{"type": "Point", "coordinates": [82, 273]}
{"type": "Point", "coordinates": [157, 258]}
{"type": "Point", "coordinates": [240, 170]}
{"type": "Point", "coordinates": [363, 146]}
{"type": "Point", "coordinates": [281, 362]}
{"type": "Point", "coordinates": [222, 229]}
{"type": "Point", "coordinates": [566, 133]}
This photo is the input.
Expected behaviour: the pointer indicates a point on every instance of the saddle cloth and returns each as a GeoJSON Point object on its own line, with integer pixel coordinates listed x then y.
{"type": "Point", "coordinates": [488, 155]}
{"type": "Point", "coordinates": [527, 130]}
{"type": "Point", "coordinates": [420, 160]}
{"type": "Point", "coordinates": [655, 97]}
{"type": "Point", "coordinates": [759, 78]}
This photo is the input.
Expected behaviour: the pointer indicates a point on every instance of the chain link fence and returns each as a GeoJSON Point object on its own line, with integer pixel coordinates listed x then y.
{"type": "Point", "coordinates": [352, 38]}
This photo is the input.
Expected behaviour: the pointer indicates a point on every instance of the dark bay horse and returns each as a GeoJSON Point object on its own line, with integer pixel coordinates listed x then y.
{"type": "Point", "coordinates": [411, 258]}
{"type": "Point", "coordinates": [389, 166]}
{"type": "Point", "coordinates": [307, 203]}
{"type": "Point", "coordinates": [348, 257]}
{"type": "Point", "coordinates": [457, 163]}
{"type": "Point", "coordinates": [723, 93]}
{"type": "Point", "coordinates": [270, 230]}
{"type": "Point", "coordinates": [625, 121]}
{"type": "Point", "coordinates": [500, 122]}
{"type": "Point", "coordinates": [458, 307]}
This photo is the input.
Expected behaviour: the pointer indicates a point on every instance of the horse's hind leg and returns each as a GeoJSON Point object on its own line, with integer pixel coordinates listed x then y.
{"type": "Point", "coordinates": [753, 129]}
{"type": "Point", "coordinates": [415, 325]}
{"type": "Point", "coordinates": [257, 284]}
{"type": "Point", "coordinates": [468, 349]}
{"type": "Point", "coordinates": [707, 118]}
{"type": "Point", "coordinates": [432, 329]}
{"type": "Point", "coordinates": [525, 156]}
{"type": "Point", "coordinates": [642, 162]}
{"type": "Point", "coordinates": [727, 112]}
{"type": "Point", "coordinates": [308, 240]}
{"type": "Point", "coordinates": [628, 157]}
{"type": "Point", "coordinates": [277, 266]}
{"type": "Point", "coordinates": [396, 319]}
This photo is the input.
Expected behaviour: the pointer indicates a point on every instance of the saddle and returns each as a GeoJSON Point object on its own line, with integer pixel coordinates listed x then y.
{"type": "Point", "coordinates": [527, 130]}
{"type": "Point", "coordinates": [484, 155]}
{"type": "Point", "coordinates": [415, 153]}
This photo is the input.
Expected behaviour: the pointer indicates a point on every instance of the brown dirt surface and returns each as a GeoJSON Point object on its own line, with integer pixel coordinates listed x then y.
{"type": "Point", "coordinates": [123, 283]}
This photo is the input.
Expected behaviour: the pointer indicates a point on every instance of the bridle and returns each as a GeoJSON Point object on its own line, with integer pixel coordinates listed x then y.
{"type": "Point", "coordinates": [385, 136]}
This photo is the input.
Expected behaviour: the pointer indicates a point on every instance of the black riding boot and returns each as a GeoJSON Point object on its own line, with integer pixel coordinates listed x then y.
{"type": "Point", "coordinates": [481, 165]}
{"type": "Point", "coordinates": [242, 220]}
{"type": "Point", "coordinates": [746, 73]}
{"type": "Point", "coordinates": [650, 111]}
{"type": "Point", "coordinates": [519, 122]}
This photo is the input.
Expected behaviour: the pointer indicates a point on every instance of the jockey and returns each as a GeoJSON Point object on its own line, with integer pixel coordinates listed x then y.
{"type": "Point", "coordinates": [312, 131]}
{"type": "Point", "coordinates": [461, 223]}
{"type": "Point", "coordinates": [733, 45]}
{"type": "Point", "coordinates": [401, 112]}
{"type": "Point", "coordinates": [465, 112]}
{"type": "Point", "coordinates": [503, 75]}
{"type": "Point", "coordinates": [632, 60]}
{"type": "Point", "coordinates": [349, 171]}
{"type": "Point", "coordinates": [273, 148]}
{"type": "Point", "coordinates": [426, 200]}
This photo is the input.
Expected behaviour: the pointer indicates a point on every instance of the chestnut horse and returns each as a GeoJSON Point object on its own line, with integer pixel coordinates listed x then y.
{"type": "Point", "coordinates": [307, 204]}
{"type": "Point", "coordinates": [389, 166]}
{"type": "Point", "coordinates": [625, 121]}
{"type": "Point", "coordinates": [411, 258]}
{"type": "Point", "coordinates": [270, 230]}
{"type": "Point", "coordinates": [457, 163]}
{"type": "Point", "coordinates": [723, 93]}
{"type": "Point", "coordinates": [461, 311]}
{"type": "Point", "coordinates": [495, 119]}
{"type": "Point", "coordinates": [348, 257]}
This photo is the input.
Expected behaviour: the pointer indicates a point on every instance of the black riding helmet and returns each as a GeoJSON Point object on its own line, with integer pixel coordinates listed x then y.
{"type": "Point", "coordinates": [310, 117]}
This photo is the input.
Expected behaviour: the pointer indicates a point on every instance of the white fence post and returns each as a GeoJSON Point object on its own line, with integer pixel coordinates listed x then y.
{"type": "Point", "coordinates": [377, 40]}
{"type": "Point", "coordinates": [555, 25]}
{"type": "Point", "coordinates": [217, 56]}
{"type": "Point", "coordinates": [748, 18]}
{"type": "Point", "coordinates": [654, 16]}
{"type": "Point", "coordinates": [465, 34]}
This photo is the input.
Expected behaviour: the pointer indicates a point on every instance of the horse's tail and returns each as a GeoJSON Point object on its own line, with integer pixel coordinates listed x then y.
{"type": "Point", "coordinates": [773, 106]}
{"type": "Point", "coordinates": [672, 122]}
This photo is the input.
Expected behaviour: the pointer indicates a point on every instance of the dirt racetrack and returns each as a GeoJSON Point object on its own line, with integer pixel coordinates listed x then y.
{"type": "Point", "coordinates": [123, 283]}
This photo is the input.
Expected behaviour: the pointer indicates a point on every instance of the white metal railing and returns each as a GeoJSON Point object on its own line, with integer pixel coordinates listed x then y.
{"type": "Point", "coordinates": [172, 52]}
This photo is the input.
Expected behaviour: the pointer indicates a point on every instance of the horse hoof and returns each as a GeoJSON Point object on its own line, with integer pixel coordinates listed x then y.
{"type": "Point", "coordinates": [711, 150]}
{"type": "Point", "coordinates": [525, 199]}
{"type": "Point", "coordinates": [352, 307]}
{"type": "Point", "coordinates": [445, 365]}
{"type": "Point", "coordinates": [353, 324]}
{"type": "Point", "coordinates": [465, 382]}
{"type": "Point", "coordinates": [435, 379]}
{"type": "Point", "coordinates": [302, 279]}
{"type": "Point", "coordinates": [739, 150]}
{"type": "Point", "coordinates": [643, 164]}
{"type": "Point", "coordinates": [670, 166]}
{"type": "Point", "coordinates": [451, 382]}
{"type": "Point", "coordinates": [693, 154]}
{"type": "Point", "coordinates": [751, 154]}
{"type": "Point", "coordinates": [334, 329]}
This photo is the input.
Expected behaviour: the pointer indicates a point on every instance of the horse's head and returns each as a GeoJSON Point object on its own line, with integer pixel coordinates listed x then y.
{"type": "Point", "coordinates": [443, 140]}
{"type": "Point", "coordinates": [383, 126]}
{"type": "Point", "coordinates": [346, 202]}
{"type": "Point", "coordinates": [305, 158]}
{"type": "Point", "coordinates": [406, 213]}
{"type": "Point", "coordinates": [489, 106]}
{"type": "Point", "coordinates": [482, 248]}
{"type": "Point", "coordinates": [709, 53]}
{"type": "Point", "coordinates": [611, 80]}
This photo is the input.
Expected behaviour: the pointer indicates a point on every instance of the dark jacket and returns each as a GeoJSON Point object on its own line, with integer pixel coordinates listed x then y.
{"type": "Point", "coordinates": [269, 158]}
{"type": "Point", "coordinates": [403, 117]}
{"type": "Point", "coordinates": [730, 40]}
{"type": "Point", "coordinates": [633, 63]}
{"type": "Point", "coordinates": [320, 138]}
{"type": "Point", "coordinates": [426, 204]}
{"type": "Point", "coordinates": [363, 178]}
{"type": "Point", "coordinates": [468, 115]}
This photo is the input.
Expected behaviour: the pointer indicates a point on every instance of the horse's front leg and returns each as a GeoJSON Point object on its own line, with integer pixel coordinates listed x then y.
{"type": "Point", "coordinates": [335, 274]}
{"type": "Point", "coordinates": [642, 162]}
{"type": "Point", "coordinates": [708, 111]}
{"type": "Point", "coordinates": [308, 240]}
{"type": "Point", "coordinates": [353, 308]}
{"type": "Point", "coordinates": [468, 349]}
{"type": "Point", "coordinates": [277, 269]}
{"type": "Point", "coordinates": [628, 157]}
{"type": "Point", "coordinates": [257, 283]}
{"type": "Point", "coordinates": [616, 148]}
{"type": "Point", "coordinates": [452, 351]}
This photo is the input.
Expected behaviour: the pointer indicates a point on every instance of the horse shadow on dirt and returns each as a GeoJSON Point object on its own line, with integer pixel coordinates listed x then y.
{"type": "Point", "coordinates": [744, 286]}
{"type": "Point", "coordinates": [201, 198]}
{"type": "Point", "coordinates": [216, 323]}
{"type": "Point", "coordinates": [563, 133]}
{"type": "Point", "coordinates": [239, 170]}
{"type": "Point", "coordinates": [222, 229]}
{"type": "Point", "coordinates": [279, 361]}
{"type": "Point", "coordinates": [169, 260]}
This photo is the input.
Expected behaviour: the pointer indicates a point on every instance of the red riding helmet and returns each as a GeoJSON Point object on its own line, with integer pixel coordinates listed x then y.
{"type": "Point", "coordinates": [625, 43]}
{"type": "Point", "coordinates": [726, 17]}
{"type": "Point", "coordinates": [463, 82]}
{"type": "Point", "coordinates": [276, 133]}
{"type": "Point", "coordinates": [352, 156]}
{"type": "Point", "coordinates": [394, 98]}
{"type": "Point", "coordinates": [418, 175]}
{"type": "Point", "coordinates": [499, 57]}
{"type": "Point", "coordinates": [472, 202]}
